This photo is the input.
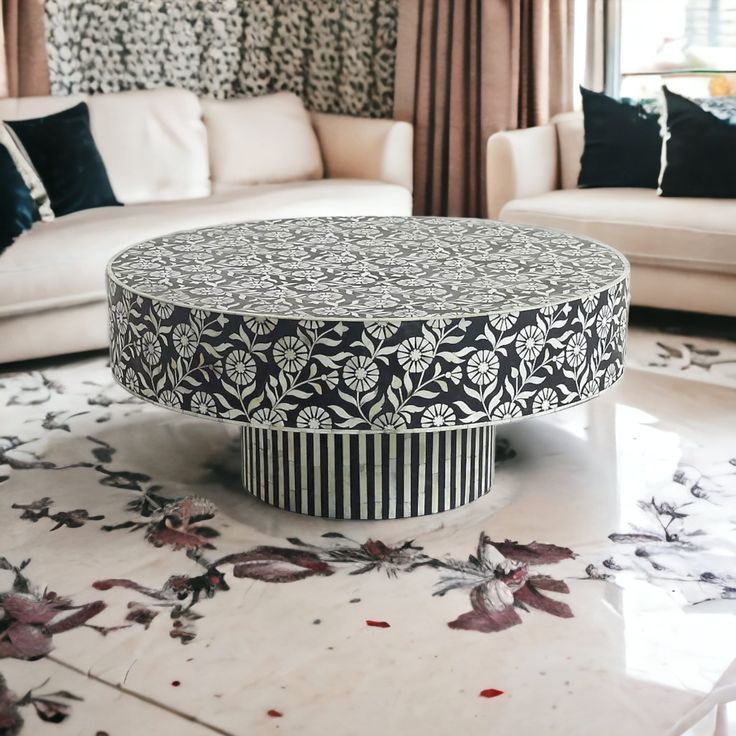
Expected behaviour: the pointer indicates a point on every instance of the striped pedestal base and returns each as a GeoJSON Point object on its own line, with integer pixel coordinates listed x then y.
{"type": "Point", "coordinates": [368, 476]}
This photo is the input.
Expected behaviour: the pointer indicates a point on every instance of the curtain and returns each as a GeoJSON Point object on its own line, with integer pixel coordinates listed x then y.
{"type": "Point", "coordinates": [337, 56]}
{"type": "Point", "coordinates": [466, 69]}
{"type": "Point", "coordinates": [23, 64]}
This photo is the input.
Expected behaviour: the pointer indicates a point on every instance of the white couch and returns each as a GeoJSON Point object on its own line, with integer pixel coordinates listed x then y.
{"type": "Point", "coordinates": [682, 250]}
{"type": "Point", "coordinates": [178, 162]}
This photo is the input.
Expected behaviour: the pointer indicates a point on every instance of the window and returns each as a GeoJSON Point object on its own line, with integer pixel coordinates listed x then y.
{"type": "Point", "coordinates": [689, 45]}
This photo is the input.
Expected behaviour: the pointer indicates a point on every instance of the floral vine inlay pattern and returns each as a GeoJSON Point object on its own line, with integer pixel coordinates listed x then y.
{"type": "Point", "coordinates": [275, 332]}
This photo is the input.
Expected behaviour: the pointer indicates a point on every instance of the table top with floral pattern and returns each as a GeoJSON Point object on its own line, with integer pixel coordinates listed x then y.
{"type": "Point", "coordinates": [355, 268]}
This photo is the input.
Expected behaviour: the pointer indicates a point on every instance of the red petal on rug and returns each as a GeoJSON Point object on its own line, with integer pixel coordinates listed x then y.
{"type": "Point", "coordinates": [379, 624]}
{"type": "Point", "coordinates": [275, 713]}
{"type": "Point", "coordinates": [491, 692]}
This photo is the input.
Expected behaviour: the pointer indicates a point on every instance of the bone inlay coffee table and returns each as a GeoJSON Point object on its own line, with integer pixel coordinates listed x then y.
{"type": "Point", "coordinates": [368, 359]}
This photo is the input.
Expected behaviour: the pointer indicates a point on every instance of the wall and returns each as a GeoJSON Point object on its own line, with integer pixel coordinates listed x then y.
{"type": "Point", "coordinates": [337, 55]}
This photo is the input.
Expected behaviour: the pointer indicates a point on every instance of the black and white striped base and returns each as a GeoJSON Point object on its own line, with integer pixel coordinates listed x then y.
{"type": "Point", "coordinates": [368, 476]}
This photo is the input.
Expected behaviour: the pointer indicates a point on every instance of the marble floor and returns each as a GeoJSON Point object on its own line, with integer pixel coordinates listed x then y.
{"type": "Point", "coordinates": [593, 592]}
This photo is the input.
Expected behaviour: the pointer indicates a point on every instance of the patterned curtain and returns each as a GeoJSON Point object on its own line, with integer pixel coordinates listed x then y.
{"type": "Point", "coordinates": [337, 55]}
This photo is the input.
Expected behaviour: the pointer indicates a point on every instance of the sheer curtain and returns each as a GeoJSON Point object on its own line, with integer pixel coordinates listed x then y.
{"type": "Point", "coordinates": [466, 69]}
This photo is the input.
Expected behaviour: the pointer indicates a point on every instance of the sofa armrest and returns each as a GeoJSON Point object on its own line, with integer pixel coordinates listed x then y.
{"type": "Point", "coordinates": [520, 163]}
{"type": "Point", "coordinates": [366, 148]}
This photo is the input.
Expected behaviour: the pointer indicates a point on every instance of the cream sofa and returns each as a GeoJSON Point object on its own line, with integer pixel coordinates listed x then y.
{"type": "Point", "coordinates": [682, 250]}
{"type": "Point", "coordinates": [179, 162]}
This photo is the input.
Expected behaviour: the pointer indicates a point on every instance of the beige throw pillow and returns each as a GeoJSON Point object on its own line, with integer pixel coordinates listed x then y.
{"type": "Point", "coordinates": [261, 140]}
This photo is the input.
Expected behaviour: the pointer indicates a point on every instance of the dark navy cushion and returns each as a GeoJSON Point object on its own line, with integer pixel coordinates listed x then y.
{"type": "Point", "coordinates": [16, 204]}
{"type": "Point", "coordinates": [623, 145]}
{"type": "Point", "coordinates": [64, 153]}
{"type": "Point", "coordinates": [700, 151]}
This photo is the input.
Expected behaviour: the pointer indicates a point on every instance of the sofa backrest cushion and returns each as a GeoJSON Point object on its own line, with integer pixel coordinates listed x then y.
{"type": "Point", "coordinates": [153, 142]}
{"type": "Point", "coordinates": [571, 141]}
{"type": "Point", "coordinates": [261, 140]}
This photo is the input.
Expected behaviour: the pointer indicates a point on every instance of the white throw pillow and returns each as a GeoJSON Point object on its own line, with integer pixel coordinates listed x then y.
{"type": "Point", "coordinates": [153, 143]}
{"type": "Point", "coordinates": [261, 140]}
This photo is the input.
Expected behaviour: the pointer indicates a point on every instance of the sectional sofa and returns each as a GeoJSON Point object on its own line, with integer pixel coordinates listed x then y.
{"type": "Point", "coordinates": [176, 161]}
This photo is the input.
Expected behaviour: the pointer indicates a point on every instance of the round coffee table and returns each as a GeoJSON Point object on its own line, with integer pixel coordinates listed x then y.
{"type": "Point", "coordinates": [368, 359]}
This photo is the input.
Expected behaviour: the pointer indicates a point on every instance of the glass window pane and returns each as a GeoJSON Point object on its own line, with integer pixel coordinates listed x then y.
{"type": "Point", "coordinates": [688, 44]}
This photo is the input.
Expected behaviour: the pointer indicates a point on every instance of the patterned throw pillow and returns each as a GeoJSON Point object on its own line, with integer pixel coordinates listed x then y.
{"type": "Point", "coordinates": [14, 148]}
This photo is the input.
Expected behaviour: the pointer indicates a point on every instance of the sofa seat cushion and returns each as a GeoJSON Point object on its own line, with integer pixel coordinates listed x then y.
{"type": "Point", "coordinates": [689, 233]}
{"type": "Point", "coordinates": [62, 263]}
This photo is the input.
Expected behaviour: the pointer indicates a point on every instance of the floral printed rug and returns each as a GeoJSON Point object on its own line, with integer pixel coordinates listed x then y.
{"type": "Point", "coordinates": [592, 591]}
{"type": "Point", "coordinates": [711, 360]}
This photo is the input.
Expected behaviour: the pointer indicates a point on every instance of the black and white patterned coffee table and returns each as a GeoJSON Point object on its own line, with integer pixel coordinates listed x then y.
{"type": "Point", "coordinates": [368, 359]}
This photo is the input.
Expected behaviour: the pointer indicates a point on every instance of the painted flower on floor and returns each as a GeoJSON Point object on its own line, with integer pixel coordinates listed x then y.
{"type": "Point", "coordinates": [176, 523]}
{"type": "Point", "coordinates": [179, 593]}
{"type": "Point", "coordinates": [669, 539]}
{"type": "Point", "coordinates": [370, 555]}
{"type": "Point", "coordinates": [39, 509]}
{"type": "Point", "coordinates": [49, 707]}
{"type": "Point", "coordinates": [500, 583]}
{"type": "Point", "coordinates": [30, 617]}
{"type": "Point", "coordinates": [275, 564]}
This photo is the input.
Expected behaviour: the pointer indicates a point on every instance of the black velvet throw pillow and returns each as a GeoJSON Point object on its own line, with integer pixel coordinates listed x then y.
{"type": "Point", "coordinates": [16, 204]}
{"type": "Point", "coordinates": [699, 152]}
{"type": "Point", "coordinates": [622, 144]}
{"type": "Point", "coordinates": [63, 151]}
